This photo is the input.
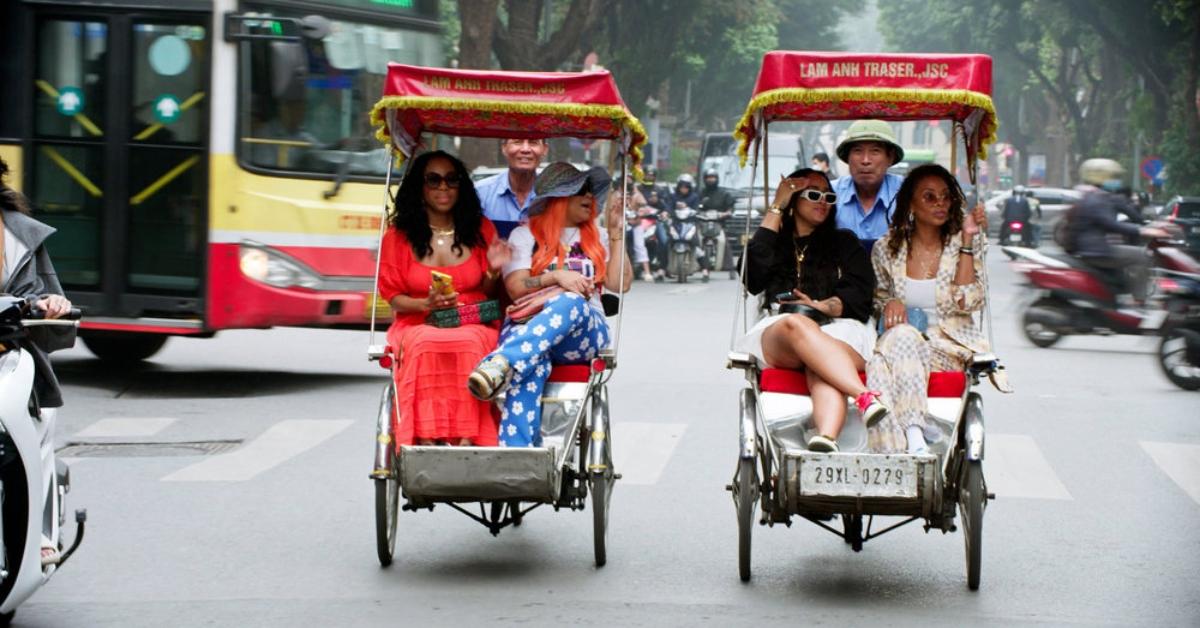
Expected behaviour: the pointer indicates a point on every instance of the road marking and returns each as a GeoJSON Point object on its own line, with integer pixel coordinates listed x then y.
{"type": "Point", "coordinates": [688, 290]}
{"type": "Point", "coordinates": [1180, 462]}
{"type": "Point", "coordinates": [281, 442]}
{"type": "Point", "coordinates": [1015, 467]}
{"type": "Point", "coordinates": [125, 428]}
{"type": "Point", "coordinates": [641, 450]}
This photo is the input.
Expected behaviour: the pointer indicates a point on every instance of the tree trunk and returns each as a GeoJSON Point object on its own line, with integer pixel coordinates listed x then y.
{"type": "Point", "coordinates": [475, 52]}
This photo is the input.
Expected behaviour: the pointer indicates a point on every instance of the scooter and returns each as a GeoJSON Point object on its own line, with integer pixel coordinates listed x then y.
{"type": "Point", "coordinates": [1018, 233]}
{"type": "Point", "coordinates": [1070, 298]}
{"type": "Point", "coordinates": [712, 238]}
{"type": "Point", "coordinates": [1179, 350]}
{"type": "Point", "coordinates": [685, 243]}
{"type": "Point", "coordinates": [33, 481]}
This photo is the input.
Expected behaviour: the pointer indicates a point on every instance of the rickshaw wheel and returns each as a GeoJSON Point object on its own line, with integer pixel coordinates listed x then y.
{"type": "Point", "coordinates": [682, 267]}
{"type": "Point", "coordinates": [972, 497]}
{"type": "Point", "coordinates": [600, 493]}
{"type": "Point", "coordinates": [746, 498]}
{"type": "Point", "coordinates": [387, 504]}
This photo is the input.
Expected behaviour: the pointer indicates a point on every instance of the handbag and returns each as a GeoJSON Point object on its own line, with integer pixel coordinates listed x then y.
{"type": "Point", "coordinates": [473, 314]}
{"type": "Point", "coordinates": [529, 305]}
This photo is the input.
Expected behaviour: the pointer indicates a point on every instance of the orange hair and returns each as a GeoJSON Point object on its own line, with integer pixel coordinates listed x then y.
{"type": "Point", "coordinates": [547, 227]}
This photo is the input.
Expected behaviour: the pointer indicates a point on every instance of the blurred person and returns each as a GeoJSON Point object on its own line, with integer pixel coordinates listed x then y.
{"type": "Point", "coordinates": [820, 163]}
{"type": "Point", "coordinates": [929, 269]}
{"type": "Point", "coordinates": [1018, 207]}
{"type": "Point", "coordinates": [714, 197]}
{"type": "Point", "coordinates": [436, 225]}
{"type": "Point", "coordinates": [506, 196]}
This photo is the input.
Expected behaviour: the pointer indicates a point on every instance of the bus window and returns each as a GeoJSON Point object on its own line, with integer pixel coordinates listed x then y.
{"type": "Point", "coordinates": [303, 104]}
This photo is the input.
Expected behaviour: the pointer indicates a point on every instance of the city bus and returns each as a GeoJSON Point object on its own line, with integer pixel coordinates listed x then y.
{"type": "Point", "coordinates": [207, 164]}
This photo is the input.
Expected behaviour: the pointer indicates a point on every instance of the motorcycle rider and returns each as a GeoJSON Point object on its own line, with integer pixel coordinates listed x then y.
{"type": "Point", "coordinates": [1019, 207]}
{"type": "Point", "coordinates": [684, 195]}
{"type": "Point", "coordinates": [713, 196]}
{"type": "Point", "coordinates": [1126, 268]}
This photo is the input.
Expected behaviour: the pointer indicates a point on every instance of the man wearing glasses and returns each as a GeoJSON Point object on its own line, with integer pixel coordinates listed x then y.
{"type": "Point", "coordinates": [505, 197]}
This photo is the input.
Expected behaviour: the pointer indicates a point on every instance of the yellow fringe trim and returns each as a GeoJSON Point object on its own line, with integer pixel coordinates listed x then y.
{"type": "Point", "coordinates": [616, 113]}
{"type": "Point", "coordinates": [861, 94]}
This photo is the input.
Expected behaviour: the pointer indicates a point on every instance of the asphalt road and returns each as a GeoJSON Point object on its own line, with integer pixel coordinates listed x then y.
{"type": "Point", "coordinates": [1095, 460]}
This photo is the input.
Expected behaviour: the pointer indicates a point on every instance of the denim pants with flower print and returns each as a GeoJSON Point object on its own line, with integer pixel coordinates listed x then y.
{"type": "Point", "coordinates": [568, 330]}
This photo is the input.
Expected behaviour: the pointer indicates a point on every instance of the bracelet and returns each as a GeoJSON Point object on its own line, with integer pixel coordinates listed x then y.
{"type": "Point", "coordinates": [966, 249]}
{"type": "Point", "coordinates": [774, 209]}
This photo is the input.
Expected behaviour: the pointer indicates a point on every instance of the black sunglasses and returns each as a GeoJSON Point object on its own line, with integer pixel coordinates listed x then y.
{"type": "Point", "coordinates": [816, 196]}
{"type": "Point", "coordinates": [435, 180]}
{"type": "Point", "coordinates": [586, 189]}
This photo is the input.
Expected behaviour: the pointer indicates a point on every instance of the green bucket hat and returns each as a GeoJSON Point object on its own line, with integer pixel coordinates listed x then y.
{"type": "Point", "coordinates": [869, 131]}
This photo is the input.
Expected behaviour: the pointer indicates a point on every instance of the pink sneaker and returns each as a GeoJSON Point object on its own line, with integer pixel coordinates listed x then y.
{"type": "Point", "coordinates": [871, 407]}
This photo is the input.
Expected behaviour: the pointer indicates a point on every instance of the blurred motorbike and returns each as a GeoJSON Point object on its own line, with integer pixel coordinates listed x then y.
{"type": "Point", "coordinates": [684, 234]}
{"type": "Point", "coordinates": [712, 238]}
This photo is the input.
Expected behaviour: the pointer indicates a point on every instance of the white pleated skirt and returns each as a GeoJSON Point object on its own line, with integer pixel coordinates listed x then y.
{"type": "Point", "coordinates": [852, 332]}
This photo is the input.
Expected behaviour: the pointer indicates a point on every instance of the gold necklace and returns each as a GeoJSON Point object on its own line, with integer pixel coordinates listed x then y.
{"type": "Point", "coordinates": [441, 234]}
{"type": "Point", "coordinates": [800, 253]}
{"type": "Point", "coordinates": [927, 264]}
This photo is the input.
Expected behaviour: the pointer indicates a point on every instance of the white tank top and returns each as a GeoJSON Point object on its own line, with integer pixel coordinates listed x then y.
{"type": "Point", "coordinates": [921, 293]}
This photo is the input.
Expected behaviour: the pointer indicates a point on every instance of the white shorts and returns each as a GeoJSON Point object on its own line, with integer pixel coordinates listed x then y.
{"type": "Point", "coordinates": [852, 332]}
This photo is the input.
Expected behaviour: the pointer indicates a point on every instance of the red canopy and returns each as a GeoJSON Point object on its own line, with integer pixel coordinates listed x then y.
{"type": "Point", "coordinates": [851, 86]}
{"type": "Point", "coordinates": [503, 105]}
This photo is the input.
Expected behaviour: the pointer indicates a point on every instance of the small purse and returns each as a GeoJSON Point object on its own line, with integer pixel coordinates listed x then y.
{"type": "Point", "coordinates": [916, 317]}
{"type": "Point", "coordinates": [529, 305]}
{"type": "Point", "coordinates": [475, 313]}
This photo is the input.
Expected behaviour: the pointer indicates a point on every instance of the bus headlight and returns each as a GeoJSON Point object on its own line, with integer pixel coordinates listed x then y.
{"type": "Point", "coordinates": [274, 269]}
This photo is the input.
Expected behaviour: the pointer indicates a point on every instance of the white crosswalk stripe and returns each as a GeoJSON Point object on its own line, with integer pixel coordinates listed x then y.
{"type": "Point", "coordinates": [125, 427]}
{"type": "Point", "coordinates": [280, 443]}
{"type": "Point", "coordinates": [1181, 462]}
{"type": "Point", "coordinates": [1015, 467]}
{"type": "Point", "coordinates": [641, 451]}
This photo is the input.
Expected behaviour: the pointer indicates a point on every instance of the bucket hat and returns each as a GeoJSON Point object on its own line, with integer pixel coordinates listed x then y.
{"type": "Point", "coordinates": [869, 131]}
{"type": "Point", "coordinates": [560, 179]}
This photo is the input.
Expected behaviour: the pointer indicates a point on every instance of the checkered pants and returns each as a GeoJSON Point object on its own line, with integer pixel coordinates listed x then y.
{"type": "Point", "coordinates": [568, 330]}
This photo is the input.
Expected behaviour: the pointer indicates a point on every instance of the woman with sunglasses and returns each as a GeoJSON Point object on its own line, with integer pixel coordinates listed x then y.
{"type": "Point", "coordinates": [561, 246]}
{"type": "Point", "coordinates": [800, 259]}
{"type": "Point", "coordinates": [436, 225]}
{"type": "Point", "coordinates": [931, 282]}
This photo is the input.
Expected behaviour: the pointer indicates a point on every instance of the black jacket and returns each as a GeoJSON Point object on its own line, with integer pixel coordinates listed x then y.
{"type": "Point", "coordinates": [837, 266]}
{"type": "Point", "coordinates": [1091, 220]}
{"type": "Point", "coordinates": [716, 198]}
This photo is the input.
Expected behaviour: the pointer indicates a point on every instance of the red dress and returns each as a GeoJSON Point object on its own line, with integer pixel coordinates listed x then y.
{"type": "Point", "coordinates": [431, 380]}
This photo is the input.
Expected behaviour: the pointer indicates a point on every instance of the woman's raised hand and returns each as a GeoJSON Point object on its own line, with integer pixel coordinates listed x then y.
{"type": "Point", "coordinates": [894, 313]}
{"type": "Point", "coordinates": [975, 220]}
{"type": "Point", "coordinates": [499, 253]}
{"type": "Point", "coordinates": [438, 301]}
{"type": "Point", "coordinates": [572, 281]}
{"type": "Point", "coordinates": [614, 216]}
{"type": "Point", "coordinates": [785, 190]}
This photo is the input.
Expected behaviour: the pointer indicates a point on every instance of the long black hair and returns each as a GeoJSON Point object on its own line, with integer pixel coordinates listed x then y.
{"type": "Point", "coordinates": [10, 199]}
{"type": "Point", "coordinates": [408, 211]}
{"type": "Point", "coordinates": [902, 221]}
{"type": "Point", "coordinates": [818, 278]}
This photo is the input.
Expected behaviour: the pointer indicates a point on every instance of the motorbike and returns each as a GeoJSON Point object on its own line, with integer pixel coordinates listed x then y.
{"type": "Point", "coordinates": [1070, 298]}
{"type": "Point", "coordinates": [712, 238]}
{"type": "Point", "coordinates": [1179, 349]}
{"type": "Point", "coordinates": [684, 234]}
{"type": "Point", "coordinates": [1019, 233]}
{"type": "Point", "coordinates": [33, 481]}
{"type": "Point", "coordinates": [647, 220]}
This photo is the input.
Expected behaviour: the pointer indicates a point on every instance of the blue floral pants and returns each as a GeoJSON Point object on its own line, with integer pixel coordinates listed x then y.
{"type": "Point", "coordinates": [568, 330]}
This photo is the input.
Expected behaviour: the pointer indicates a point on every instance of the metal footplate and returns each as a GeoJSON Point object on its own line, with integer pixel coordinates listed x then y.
{"type": "Point", "coordinates": [861, 483]}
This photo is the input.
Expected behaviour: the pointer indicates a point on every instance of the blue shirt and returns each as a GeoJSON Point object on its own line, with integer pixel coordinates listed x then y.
{"type": "Point", "coordinates": [873, 224]}
{"type": "Point", "coordinates": [500, 203]}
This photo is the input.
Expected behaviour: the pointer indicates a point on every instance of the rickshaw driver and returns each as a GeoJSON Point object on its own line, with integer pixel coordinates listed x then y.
{"type": "Point", "coordinates": [505, 197]}
{"type": "Point", "coordinates": [866, 195]}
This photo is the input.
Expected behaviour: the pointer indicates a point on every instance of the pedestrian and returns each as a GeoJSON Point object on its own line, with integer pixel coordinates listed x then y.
{"type": "Point", "coordinates": [820, 163]}
{"type": "Point", "coordinates": [506, 196]}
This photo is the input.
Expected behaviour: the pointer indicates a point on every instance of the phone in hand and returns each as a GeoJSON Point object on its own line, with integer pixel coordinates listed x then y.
{"type": "Point", "coordinates": [443, 284]}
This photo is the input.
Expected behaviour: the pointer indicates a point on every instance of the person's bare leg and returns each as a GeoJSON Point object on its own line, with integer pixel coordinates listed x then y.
{"type": "Point", "coordinates": [829, 406]}
{"type": "Point", "coordinates": [797, 342]}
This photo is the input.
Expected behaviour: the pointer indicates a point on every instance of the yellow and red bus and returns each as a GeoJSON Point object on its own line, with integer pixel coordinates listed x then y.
{"type": "Point", "coordinates": [208, 164]}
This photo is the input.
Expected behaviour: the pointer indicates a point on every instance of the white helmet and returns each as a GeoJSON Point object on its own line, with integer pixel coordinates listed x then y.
{"type": "Point", "coordinates": [1101, 173]}
{"type": "Point", "coordinates": [686, 178]}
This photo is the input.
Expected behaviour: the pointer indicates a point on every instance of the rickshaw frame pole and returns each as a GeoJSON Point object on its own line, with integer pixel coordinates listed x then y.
{"type": "Point", "coordinates": [740, 302]}
{"type": "Point", "coordinates": [621, 142]}
{"type": "Point", "coordinates": [387, 195]}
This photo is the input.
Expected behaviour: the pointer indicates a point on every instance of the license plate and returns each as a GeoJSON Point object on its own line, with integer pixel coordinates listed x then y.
{"type": "Point", "coordinates": [845, 475]}
{"type": "Point", "coordinates": [383, 311]}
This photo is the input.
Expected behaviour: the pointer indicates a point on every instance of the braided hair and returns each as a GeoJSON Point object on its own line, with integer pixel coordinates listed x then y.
{"type": "Point", "coordinates": [902, 221]}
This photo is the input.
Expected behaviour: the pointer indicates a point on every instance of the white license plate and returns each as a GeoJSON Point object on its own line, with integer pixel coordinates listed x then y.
{"type": "Point", "coordinates": [846, 475]}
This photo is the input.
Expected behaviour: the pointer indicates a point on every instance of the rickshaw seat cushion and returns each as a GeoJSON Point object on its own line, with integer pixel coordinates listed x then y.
{"type": "Point", "coordinates": [570, 373]}
{"type": "Point", "coordinates": [942, 384]}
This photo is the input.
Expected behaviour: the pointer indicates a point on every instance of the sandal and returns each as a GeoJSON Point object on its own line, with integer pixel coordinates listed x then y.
{"type": "Point", "coordinates": [488, 379]}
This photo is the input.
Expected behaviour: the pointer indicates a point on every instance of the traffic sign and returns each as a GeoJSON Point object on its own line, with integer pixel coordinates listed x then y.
{"type": "Point", "coordinates": [69, 101]}
{"type": "Point", "coordinates": [1152, 167]}
{"type": "Point", "coordinates": [166, 108]}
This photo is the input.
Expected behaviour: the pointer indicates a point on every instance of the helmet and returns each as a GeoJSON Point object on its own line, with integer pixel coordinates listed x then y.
{"type": "Point", "coordinates": [1019, 191]}
{"type": "Point", "coordinates": [649, 173]}
{"type": "Point", "coordinates": [1102, 173]}
{"type": "Point", "coordinates": [711, 172]}
{"type": "Point", "coordinates": [686, 178]}
{"type": "Point", "coordinates": [869, 131]}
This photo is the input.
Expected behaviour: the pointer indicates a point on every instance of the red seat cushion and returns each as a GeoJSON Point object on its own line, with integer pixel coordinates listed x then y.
{"type": "Point", "coordinates": [569, 373]}
{"type": "Point", "coordinates": [941, 383]}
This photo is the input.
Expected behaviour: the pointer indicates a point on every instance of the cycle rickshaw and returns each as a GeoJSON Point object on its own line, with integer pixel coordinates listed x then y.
{"type": "Point", "coordinates": [775, 471]}
{"type": "Point", "coordinates": [574, 462]}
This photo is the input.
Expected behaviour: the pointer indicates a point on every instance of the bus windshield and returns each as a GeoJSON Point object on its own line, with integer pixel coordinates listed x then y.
{"type": "Point", "coordinates": [303, 104]}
